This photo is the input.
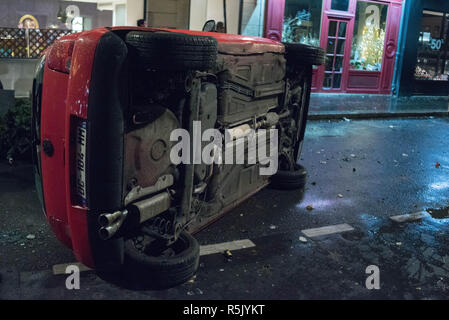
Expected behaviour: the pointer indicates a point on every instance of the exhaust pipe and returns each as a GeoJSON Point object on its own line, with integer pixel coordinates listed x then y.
{"type": "Point", "coordinates": [142, 211]}
{"type": "Point", "coordinates": [111, 223]}
{"type": "Point", "coordinates": [106, 219]}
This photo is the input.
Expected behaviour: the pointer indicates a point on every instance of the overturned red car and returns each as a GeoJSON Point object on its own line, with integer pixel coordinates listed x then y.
{"type": "Point", "coordinates": [106, 103]}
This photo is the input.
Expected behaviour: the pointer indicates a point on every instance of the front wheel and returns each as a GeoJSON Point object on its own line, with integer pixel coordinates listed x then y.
{"type": "Point", "coordinates": [153, 263]}
{"type": "Point", "coordinates": [298, 54]}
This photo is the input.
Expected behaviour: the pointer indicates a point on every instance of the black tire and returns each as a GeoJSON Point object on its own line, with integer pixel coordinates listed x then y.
{"type": "Point", "coordinates": [290, 180]}
{"type": "Point", "coordinates": [173, 51]}
{"type": "Point", "coordinates": [165, 271]}
{"type": "Point", "coordinates": [302, 54]}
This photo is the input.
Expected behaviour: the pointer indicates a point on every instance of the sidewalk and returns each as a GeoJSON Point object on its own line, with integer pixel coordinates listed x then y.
{"type": "Point", "coordinates": [338, 106]}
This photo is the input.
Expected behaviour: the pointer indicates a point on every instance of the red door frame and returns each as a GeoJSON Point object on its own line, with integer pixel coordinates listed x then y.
{"type": "Point", "coordinates": [344, 16]}
{"type": "Point", "coordinates": [274, 17]}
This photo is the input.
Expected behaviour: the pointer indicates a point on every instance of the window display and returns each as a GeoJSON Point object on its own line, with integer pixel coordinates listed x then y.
{"type": "Point", "coordinates": [341, 5]}
{"type": "Point", "coordinates": [433, 60]}
{"type": "Point", "coordinates": [369, 36]}
{"type": "Point", "coordinates": [302, 22]}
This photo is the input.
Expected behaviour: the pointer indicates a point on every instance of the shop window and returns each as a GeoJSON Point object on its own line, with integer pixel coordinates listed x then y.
{"type": "Point", "coordinates": [433, 58]}
{"type": "Point", "coordinates": [340, 5]}
{"type": "Point", "coordinates": [369, 36]}
{"type": "Point", "coordinates": [302, 21]}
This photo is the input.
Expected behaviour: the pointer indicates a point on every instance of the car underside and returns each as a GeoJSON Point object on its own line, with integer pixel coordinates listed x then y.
{"type": "Point", "coordinates": [128, 206]}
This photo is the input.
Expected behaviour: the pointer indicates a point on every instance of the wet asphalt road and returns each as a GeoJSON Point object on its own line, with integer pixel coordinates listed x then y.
{"type": "Point", "coordinates": [380, 168]}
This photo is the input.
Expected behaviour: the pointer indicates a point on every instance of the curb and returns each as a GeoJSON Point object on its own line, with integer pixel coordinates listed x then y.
{"type": "Point", "coordinates": [377, 115]}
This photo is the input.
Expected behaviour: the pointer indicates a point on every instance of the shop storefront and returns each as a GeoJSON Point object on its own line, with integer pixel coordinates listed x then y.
{"type": "Point", "coordinates": [423, 64]}
{"type": "Point", "coordinates": [29, 27]}
{"type": "Point", "coordinates": [359, 36]}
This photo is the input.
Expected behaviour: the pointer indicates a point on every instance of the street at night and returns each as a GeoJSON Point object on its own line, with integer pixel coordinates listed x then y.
{"type": "Point", "coordinates": [361, 173]}
{"type": "Point", "coordinates": [224, 159]}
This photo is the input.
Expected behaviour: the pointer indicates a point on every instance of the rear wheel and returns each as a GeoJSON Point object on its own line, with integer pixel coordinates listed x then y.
{"type": "Point", "coordinates": [153, 263]}
{"type": "Point", "coordinates": [173, 51]}
{"type": "Point", "coordinates": [302, 54]}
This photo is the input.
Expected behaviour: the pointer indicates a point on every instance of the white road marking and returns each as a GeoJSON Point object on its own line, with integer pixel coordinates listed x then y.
{"type": "Point", "coordinates": [221, 247]}
{"type": "Point", "coordinates": [410, 217]}
{"type": "Point", "coordinates": [315, 232]}
{"type": "Point", "coordinates": [60, 268]}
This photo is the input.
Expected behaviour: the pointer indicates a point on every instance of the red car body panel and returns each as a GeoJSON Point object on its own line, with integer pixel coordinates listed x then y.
{"type": "Point", "coordinates": [66, 96]}
{"type": "Point", "coordinates": [53, 174]}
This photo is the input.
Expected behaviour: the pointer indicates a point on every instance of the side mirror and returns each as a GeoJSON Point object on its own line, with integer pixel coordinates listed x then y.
{"type": "Point", "coordinates": [209, 26]}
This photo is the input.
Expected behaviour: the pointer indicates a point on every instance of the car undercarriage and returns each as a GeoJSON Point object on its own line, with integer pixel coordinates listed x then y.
{"type": "Point", "coordinates": [146, 86]}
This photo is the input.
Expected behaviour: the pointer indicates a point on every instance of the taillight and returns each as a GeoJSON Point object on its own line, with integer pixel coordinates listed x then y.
{"type": "Point", "coordinates": [60, 55]}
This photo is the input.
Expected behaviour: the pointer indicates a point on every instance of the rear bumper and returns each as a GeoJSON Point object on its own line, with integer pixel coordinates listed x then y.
{"type": "Point", "coordinates": [89, 94]}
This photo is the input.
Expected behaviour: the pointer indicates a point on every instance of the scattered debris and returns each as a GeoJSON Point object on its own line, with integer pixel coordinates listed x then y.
{"type": "Point", "coordinates": [340, 195]}
{"type": "Point", "coordinates": [267, 268]}
{"type": "Point", "coordinates": [437, 165]}
{"type": "Point", "coordinates": [228, 254]}
{"type": "Point", "coordinates": [302, 239]}
{"type": "Point", "coordinates": [441, 213]}
{"type": "Point", "coordinates": [11, 237]}
{"type": "Point", "coordinates": [199, 291]}
{"type": "Point", "coordinates": [309, 207]}
{"type": "Point", "coordinates": [410, 217]}
{"type": "Point", "coordinates": [31, 236]}
{"type": "Point", "coordinates": [192, 280]}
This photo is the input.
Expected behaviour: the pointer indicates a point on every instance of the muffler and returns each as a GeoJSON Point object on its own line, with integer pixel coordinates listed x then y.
{"type": "Point", "coordinates": [153, 206]}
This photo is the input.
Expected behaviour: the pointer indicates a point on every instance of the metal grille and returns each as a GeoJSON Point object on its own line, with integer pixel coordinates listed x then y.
{"type": "Point", "coordinates": [27, 43]}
